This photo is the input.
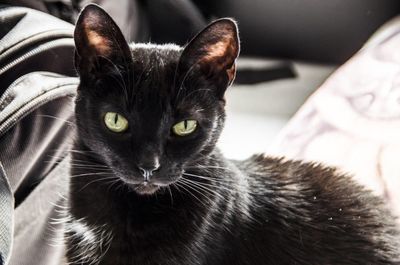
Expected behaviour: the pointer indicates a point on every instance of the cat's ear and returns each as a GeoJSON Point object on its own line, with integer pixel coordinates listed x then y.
{"type": "Point", "coordinates": [98, 39]}
{"type": "Point", "coordinates": [214, 51]}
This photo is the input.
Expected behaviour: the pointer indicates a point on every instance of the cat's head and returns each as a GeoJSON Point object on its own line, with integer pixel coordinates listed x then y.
{"type": "Point", "coordinates": [148, 111]}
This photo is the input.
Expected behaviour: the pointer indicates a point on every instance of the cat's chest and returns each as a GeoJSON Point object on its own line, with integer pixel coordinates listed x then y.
{"type": "Point", "coordinates": [135, 240]}
{"type": "Point", "coordinates": [152, 251]}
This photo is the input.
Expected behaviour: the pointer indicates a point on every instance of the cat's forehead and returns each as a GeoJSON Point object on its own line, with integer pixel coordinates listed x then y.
{"type": "Point", "coordinates": [154, 68]}
{"type": "Point", "coordinates": [156, 80]}
{"type": "Point", "coordinates": [145, 53]}
{"type": "Point", "coordinates": [153, 65]}
{"type": "Point", "coordinates": [153, 46]}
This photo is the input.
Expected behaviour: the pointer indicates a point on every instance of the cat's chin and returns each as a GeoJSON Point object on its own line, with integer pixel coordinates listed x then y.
{"type": "Point", "coordinates": [145, 188]}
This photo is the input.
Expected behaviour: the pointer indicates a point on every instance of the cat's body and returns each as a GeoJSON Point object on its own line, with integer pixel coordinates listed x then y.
{"type": "Point", "coordinates": [283, 212]}
{"type": "Point", "coordinates": [198, 207]}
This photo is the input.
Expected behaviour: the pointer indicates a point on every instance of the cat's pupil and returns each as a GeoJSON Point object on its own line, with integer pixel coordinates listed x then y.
{"type": "Point", "coordinates": [185, 124]}
{"type": "Point", "coordinates": [116, 118]}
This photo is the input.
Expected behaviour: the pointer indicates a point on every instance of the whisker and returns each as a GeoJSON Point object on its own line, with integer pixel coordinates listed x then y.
{"type": "Point", "coordinates": [93, 166]}
{"type": "Point", "coordinates": [182, 185]}
{"type": "Point", "coordinates": [89, 174]}
{"type": "Point", "coordinates": [213, 179]}
{"type": "Point", "coordinates": [206, 189]}
{"type": "Point", "coordinates": [170, 194]}
{"type": "Point", "coordinates": [96, 180]}
{"type": "Point", "coordinates": [57, 118]}
{"type": "Point", "coordinates": [200, 189]}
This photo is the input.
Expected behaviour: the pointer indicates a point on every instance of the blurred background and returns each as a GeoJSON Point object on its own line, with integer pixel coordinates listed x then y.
{"type": "Point", "coordinates": [289, 47]}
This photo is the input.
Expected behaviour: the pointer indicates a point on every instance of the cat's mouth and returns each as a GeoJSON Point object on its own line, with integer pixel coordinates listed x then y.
{"type": "Point", "coordinates": [148, 188]}
{"type": "Point", "coordinates": [151, 186]}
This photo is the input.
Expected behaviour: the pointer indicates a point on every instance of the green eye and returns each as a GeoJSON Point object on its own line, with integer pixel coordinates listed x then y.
{"type": "Point", "coordinates": [115, 122]}
{"type": "Point", "coordinates": [185, 127]}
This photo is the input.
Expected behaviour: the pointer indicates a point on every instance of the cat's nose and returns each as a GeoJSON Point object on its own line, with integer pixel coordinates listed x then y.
{"type": "Point", "coordinates": [148, 170]}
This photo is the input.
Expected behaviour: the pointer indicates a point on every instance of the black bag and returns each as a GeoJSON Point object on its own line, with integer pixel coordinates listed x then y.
{"type": "Point", "coordinates": [36, 97]}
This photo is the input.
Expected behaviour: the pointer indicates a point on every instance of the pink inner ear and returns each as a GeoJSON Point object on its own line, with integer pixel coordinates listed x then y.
{"type": "Point", "coordinates": [92, 25]}
{"type": "Point", "coordinates": [98, 42]}
{"type": "Point", "coordinates": [218, 49]}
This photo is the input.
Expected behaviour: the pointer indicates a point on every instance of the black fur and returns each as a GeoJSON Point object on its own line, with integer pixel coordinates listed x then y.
{"type": "Point", "coordinates": [199, 207]}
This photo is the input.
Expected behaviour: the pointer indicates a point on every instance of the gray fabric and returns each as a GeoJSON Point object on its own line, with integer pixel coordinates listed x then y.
{"type": "Point", "coordinates": [6, 216]}
{"type": "Point", "coordinates": [35, 142]}
{"type": "Point", "coordinates": [36, 109]}
{"type": "Point", "coordinates": [26, 27]}
{"type": "Point", "coordinates": [32, 152]}
{"type": "Point", "coordinates": [38, 235]}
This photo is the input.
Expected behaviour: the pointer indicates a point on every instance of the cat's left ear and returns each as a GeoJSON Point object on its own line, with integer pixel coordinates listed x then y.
{"type": "Point", "coordinates": [214, 50]}
{"type": "Point", "coordinates": [98, 39]}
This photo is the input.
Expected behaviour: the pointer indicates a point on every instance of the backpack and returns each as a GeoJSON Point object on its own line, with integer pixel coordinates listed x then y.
{"type": "Point", "coordinates": [37, 87]}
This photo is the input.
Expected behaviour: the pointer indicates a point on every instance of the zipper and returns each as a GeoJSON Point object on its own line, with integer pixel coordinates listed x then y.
{"type": "Point", "coordinates": [37, 39]}
{"type": "Point", "coordinates": [41, 48]}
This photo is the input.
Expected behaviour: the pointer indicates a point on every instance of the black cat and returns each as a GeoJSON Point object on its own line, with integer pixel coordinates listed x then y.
{"type": "Point", "coordinates": [149, 186]}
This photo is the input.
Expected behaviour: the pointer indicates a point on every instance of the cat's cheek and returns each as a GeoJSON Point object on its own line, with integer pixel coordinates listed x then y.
{"type": "Point", "coordinates": [183, 155]}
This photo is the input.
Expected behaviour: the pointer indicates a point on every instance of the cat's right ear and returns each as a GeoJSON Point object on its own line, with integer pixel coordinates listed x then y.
{"type": "Point", "coordinates": [99, 40]}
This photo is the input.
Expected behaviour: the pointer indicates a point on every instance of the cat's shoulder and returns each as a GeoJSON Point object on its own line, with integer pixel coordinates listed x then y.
{"type": "Point", "coordinates": [279, 166]}
{"type": "Point", "coordinates": [307, 178]}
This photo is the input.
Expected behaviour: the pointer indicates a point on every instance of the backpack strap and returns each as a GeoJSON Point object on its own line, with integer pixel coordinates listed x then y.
{"type": "Point", "coordinates": [6, 216]}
